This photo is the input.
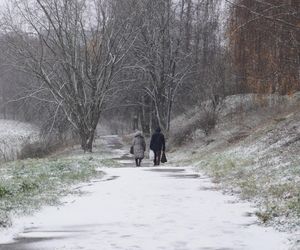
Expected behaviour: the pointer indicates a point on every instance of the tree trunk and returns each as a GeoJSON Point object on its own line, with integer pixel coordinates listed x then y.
{"type": "Point", "coordinates": [90, 141]}
{"type": "Point", "coordinates": [169, 112]}
{"type": "Point", "coordinates": [84, 140]}
{"type": "Point", "coordinates": [87, 140]}
{"type": "Point", "coordinates": [145, 114]}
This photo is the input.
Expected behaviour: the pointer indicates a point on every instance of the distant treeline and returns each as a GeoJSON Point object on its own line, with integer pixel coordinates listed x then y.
{"type": "Point", "coordinates": [67, 65]}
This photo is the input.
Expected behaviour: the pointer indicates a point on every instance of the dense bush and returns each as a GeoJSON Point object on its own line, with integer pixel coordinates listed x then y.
{"type": "Point", "coordinates": [208, 121]}
{"type": "Point", "coordinates": [41, 149]}
{"type": "Point", "coordinates": [204, 120]}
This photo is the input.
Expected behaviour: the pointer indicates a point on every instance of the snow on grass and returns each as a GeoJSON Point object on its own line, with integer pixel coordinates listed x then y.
{"type": "Point", "coordinates": [27, 185]}
{"type": "Point", "coordinates": [14, 136]}
{"type": "Point", "coordinates": [265, 168]}
{"type": "Point", "coordinates": [144, 209]}
{"type": "Point", "coordinates": [254, 152]}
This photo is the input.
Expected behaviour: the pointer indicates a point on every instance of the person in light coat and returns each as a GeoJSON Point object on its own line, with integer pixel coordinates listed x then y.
{"type": "Point", "coordinates": [139, 147]}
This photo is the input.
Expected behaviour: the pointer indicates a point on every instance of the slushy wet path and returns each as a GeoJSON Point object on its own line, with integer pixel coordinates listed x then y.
{"type": "Point", "coordinates": [147, 208]}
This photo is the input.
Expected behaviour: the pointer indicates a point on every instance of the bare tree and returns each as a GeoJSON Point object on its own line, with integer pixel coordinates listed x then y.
{"type": "Point", "coordinates": [160, 55]}
{"type": "Point", "coordinates": [76, 49]}
{"type": "Point", "coordinates": [178, 59]}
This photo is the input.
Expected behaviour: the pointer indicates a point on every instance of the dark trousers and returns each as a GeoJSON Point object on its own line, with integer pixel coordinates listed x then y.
{"type": "Point", "coordinates": [157, 157]}
{"type": "Point", "coordinates": [138, 162]}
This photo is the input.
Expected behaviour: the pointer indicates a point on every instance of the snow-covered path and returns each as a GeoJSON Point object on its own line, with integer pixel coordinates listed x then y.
{"type": "Point", "coordinates": [147, 208]}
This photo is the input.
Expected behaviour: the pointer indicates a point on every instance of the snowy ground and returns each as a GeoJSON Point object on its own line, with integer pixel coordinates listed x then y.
{"type": "Point", "coordinates": [145, 208]}
{"type": "Point", "coordinates": [253, 152]}
{"type": "Point", "coordinates": [14, 136]}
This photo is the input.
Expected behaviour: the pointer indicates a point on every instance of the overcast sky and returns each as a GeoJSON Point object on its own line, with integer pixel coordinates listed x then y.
{"type": "Point", "coordinates": [2, 3]}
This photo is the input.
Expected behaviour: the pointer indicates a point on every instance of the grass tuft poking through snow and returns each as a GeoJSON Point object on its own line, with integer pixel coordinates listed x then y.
{"type": "Point", "coordinates": [28, 184]}
{"type": "Point", "coordinates": [278, 199]}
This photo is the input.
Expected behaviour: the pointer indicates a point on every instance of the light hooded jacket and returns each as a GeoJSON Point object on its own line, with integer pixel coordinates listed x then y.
{"type": "Point", "coordinates": [139, 146]}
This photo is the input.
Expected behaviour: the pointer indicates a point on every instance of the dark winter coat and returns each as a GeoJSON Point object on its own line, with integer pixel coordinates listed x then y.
{"type": "Point", "coordinates": [139, 146]}
{"type": "Point", "coordinates": [157, 142]}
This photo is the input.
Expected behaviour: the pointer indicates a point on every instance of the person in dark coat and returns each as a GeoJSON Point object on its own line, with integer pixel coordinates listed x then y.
{"type": "Point", "coordinates": [157, 145]}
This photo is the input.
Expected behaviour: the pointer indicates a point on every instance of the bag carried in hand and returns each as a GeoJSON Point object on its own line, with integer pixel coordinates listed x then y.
{"type": "Point", "coordinates": [131, 150]}
{"type": "Point", "coordinates": [163, 158]}
{"type": "Point", "coordinates": [151, 155]}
